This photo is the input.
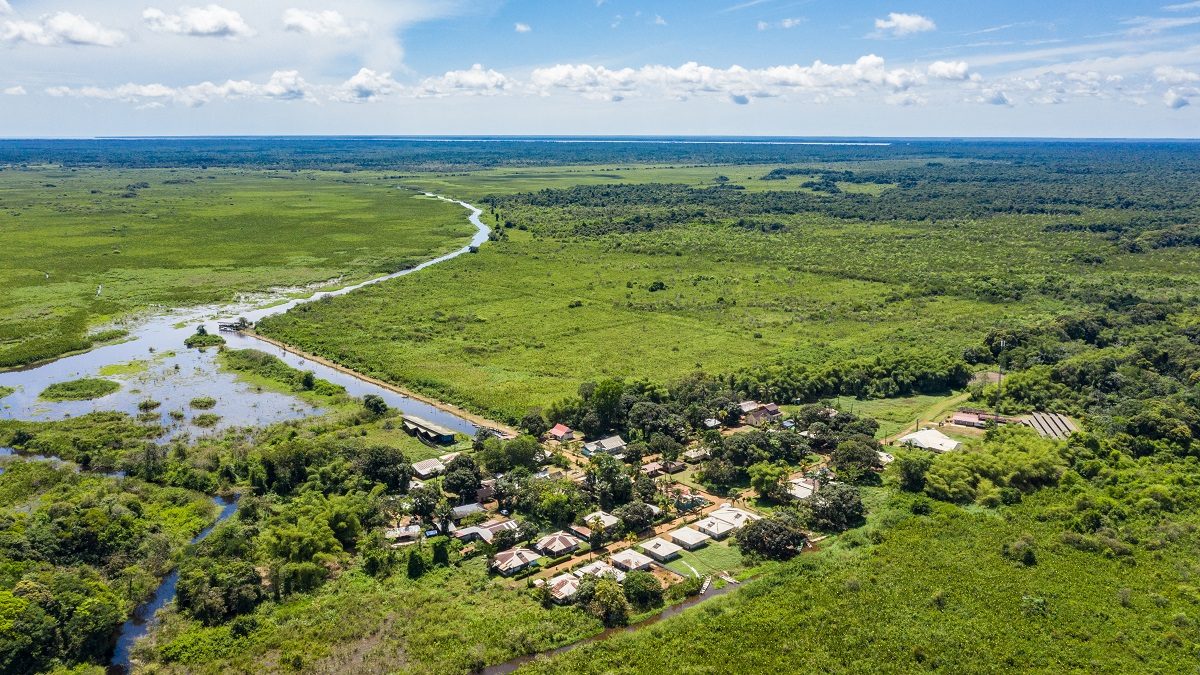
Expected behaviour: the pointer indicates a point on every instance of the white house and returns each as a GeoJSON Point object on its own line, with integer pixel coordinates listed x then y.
{"type": "Point", "coordinates": [930, 439]}
{"type": "Point", "coordinates": [734, 516]}
{"type": "Point", "coordinates": [802, 488]}
{"type": "Point", "coordinates": [428, 468]}
{"type": "Point", "coordinates": [661, 549]}
{"type": "Point", "coordinates": [563, 587]}
{"type": "Point", "coordinates": [689, 538]}
{"type": "Point", "coordinates": [715, 527]}
{"type": "Point", "coordinates": [613, 445]}
{"type": "Point", "coordinates": [610, 521]}
{"type": "Point", "coordinates": [630, 560]}
{"type": "Point", "coordinates": [557, 544]}
{"type": "Point", "coordinates": [600, 570]}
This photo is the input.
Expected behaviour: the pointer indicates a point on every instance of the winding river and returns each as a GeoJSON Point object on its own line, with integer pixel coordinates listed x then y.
{"type": "Point", "coordinates": [165, 371]}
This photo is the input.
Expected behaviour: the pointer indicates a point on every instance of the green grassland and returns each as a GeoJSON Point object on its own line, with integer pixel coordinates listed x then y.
{"type": "Point", "coordinates": [479, 184]}
{"type": "Point", "coordinates": [89, 246]}
{"type": "Point", "coordinates": [523, 322]}
{"type": "Point", "coordinates": [454, 620]}
{"type": "Point", "coordinates": [935, 593]}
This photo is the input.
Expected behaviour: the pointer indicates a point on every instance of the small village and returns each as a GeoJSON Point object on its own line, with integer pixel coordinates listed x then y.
{"type": "Point", "coordinates": [673, 532]}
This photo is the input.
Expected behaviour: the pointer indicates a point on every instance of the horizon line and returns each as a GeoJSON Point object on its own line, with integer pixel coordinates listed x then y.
{"type": "Point", "coordinates": [679, 138]}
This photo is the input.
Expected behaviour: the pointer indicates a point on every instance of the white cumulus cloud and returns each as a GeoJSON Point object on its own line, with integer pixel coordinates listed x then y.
{"type": "Point", "coordinates": [475, 80]}
{"type": "Point", "coordinates": [948, 70]}
{"type": "Point", "coordinates": [1175, 75]}
{"type": "Point", "coordinates": [326, 22]}
{"type": "Point", "coordinates": [993, 97]}
{"type": "Point", "coordinates": [366, 86]}
{"type": "Point", "coordinates": [693, 79]}
{"type": "Point", "coordinates": [782, 23]}
{"type": "Point", "coordinates": [283, 85]}
{"type": "Point", "coordinates": [522, 27]}
{"type": "Point", "coordinates": [207, 21]}
{"type": "Point", "coordinates": [61, 28]}
{"type": "Point", "coordinates": [899, 24]}
{"type": "Point", "coordinates": [15, 91]}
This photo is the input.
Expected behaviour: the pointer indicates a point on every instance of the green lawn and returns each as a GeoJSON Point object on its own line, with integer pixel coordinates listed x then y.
{"type": "Point", "coordinates": [87, 246]}
{"type": "Point", "coordinates": [715, 558]}
{"type": "Point", "coordinates": [895, 414]}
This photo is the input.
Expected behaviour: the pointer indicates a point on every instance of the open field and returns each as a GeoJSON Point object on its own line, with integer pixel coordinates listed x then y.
{"type": "Point", "coordinates": [88, 246]}
{"type": "Point", "coordinates": [923, 599]}
{"type": "Point", "coordinates": [565, 298]}
{"type": "Point", "coordinates": [897, 414]}
{"type": "Point", "coordinates": [507, 180]}
{"type": "Point", "coordinates": [450, 621]}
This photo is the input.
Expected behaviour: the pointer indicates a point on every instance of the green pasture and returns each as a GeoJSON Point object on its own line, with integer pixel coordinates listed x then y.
{"type": "Point", "coordinates": [84, 247]}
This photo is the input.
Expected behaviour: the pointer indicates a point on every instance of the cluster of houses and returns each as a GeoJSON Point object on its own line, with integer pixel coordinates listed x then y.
{"type": "Point", "coordinates": [716, 526]}
{"type": "Point", "coordinates": [752, 413]}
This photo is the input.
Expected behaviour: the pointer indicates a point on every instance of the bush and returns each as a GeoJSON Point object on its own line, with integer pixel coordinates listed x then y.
{"type": "Point", "coordinates": [837, 507]}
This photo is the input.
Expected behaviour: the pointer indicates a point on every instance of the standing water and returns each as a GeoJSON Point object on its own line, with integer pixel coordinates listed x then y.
{"type": "Point", "coordinates": [153, 364]}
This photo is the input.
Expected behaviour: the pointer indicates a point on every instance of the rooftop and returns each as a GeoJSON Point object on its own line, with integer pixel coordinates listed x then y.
{"type": "Point", "coordinates": [661, 547]}
{"type": "Point", "coordinates": [689, 536]}
{"type": "Point", "coordinates": [514, 559]}
{"type": "Point", "coordinates": [930, 439]}
{"type": "Point", "coordinates": [631, 559]}
{"type": "Point", "coordinates": [599, 568]}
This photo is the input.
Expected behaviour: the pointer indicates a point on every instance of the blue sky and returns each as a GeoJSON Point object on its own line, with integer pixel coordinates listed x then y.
{"type": "Point", "coordinates": [766, 67]}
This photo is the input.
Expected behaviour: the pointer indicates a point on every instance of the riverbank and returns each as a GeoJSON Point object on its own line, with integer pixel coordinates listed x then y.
{"type": "Point", "coordinates": [477, 420]}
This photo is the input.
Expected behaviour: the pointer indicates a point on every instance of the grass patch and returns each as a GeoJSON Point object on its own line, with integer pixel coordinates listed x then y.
{"type": "Point", "coordinates": [896, 414]}
{"type": "Point", "coordinates": [587, 286]}
{"type": "Point", "coordinates": [203, 403]}
{"type": "Point", "coordinates": [79, 390]}
{"type": "Point", "coordinates": [920, 599]}
{"type": "Point", "coordinates": [6, 391]}
{"type": "Point", "coordinates": [202, 340]}
{"type": "Point", "coordinates": [449, 621]}
{"type": "Point", "coordinates": [270, 371]}
{"type": "Point", "coordinates": [206, 420]}
{"type": "Point", "coordinates": [127, 369]}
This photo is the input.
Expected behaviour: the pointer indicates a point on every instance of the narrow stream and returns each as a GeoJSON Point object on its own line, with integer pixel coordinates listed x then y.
{"type": "Point", "coordinates": [142, 619]}
{"type": "Point", "coordinates": [167, 372]}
